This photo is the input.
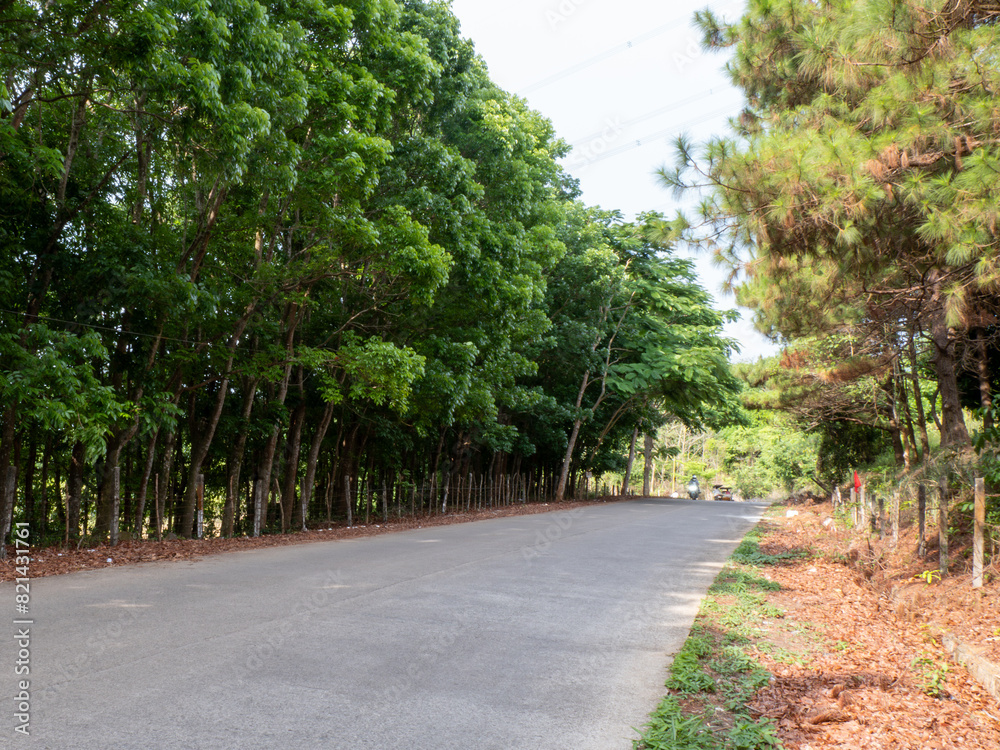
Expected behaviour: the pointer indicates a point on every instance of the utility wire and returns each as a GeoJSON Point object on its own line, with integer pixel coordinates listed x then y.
{"type": "Point", "coordinates": [649, 115]}
{"type": "Point", "coordinates": [645, 140]}
{"type": "Point", "coordinates": [591, 61]}
{"type": "Point", "coordinates": [96, 327]}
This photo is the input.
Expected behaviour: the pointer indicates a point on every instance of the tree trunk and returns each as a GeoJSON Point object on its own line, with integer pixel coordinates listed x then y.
{"type": "Point", "coordinates": [8, 491]}
{"type": "Point", "coordinates": [571, 444]}
{"type": "Point", "coordinates": [74, 497]}
{"type": "Point", "coordinates": [236, 457]}
{"type": "Point", "coordinates": [6, 451]}
{"type": "Point", "coordinates": [918, 396]}
{"type": "Point", "coordinates": [29, 481]}
{"type": "Point", "coordinates": [313, 460]}
{"type": "Point", "coordinates": [953, 430]}
{"type": "Point", "coordinates": [147, 472]}
{"type": "Point", "coordinates": [166, 474]}
{"type": "Point", "coordinates": [631, 460]}
{"type": "Point", "coordinates": [107, 522]}
{"type": "Point", "coordinates": [294, 447]}
{"type": "Point", "coordinates": [647, 472]}
{"type": "Point", "coordinates": [983, 370]}
{"type": "Point", "coordinates": [267, 456]}
{"type": "Point", "coordinates": [200, 445]}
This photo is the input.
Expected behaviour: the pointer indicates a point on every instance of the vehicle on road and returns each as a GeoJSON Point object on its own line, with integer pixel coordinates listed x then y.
{"type": "Point", "coordinates": [693, 488]}
{"type": "Point", "coordinates": [721, 492]}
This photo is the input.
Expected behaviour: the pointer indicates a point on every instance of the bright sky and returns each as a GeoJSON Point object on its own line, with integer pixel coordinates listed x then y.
{"type": "Point", "coordinates": [620, 80]}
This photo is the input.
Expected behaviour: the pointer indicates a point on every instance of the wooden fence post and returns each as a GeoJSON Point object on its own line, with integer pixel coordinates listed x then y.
{"type": "Point", "coordinates": [200, 495]}
{"type": "Point", "coordinates": [895, 518]}
{"type": "Point", "coordinates": [347, 500]}
{"type": "Point", "coordinates": [977, 554]}
{"type": "Point", "coordinates": [258, 490]}
{"type": "Point", "coordinates": [943, 527]}
{"type": "Point", "coordinates": [116, 500]}
{"type": "Point", "coordinates": [921, 519]}
{"type": "Point", "coordinates": [854, 506]}
{"type": "Point", "coordinates": [8, 495]}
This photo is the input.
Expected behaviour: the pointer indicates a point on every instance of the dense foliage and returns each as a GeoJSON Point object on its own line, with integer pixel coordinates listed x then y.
{"type": "Point", "coordinates": [309, 251]}
{"type": "Point", "coordinates": [856, 205]}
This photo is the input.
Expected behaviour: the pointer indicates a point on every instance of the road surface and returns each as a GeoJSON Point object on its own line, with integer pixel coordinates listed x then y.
{"type": "Point", "coordinates": [530, 632]}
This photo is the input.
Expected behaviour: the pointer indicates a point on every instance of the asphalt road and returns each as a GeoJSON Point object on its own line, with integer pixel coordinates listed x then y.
{"type": "Point", "coordinates": [532, 632]}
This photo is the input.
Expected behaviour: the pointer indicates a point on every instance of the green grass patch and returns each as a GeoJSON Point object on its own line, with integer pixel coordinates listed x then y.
{"type": "Point", "coordinates": [715, 675]}
{"type": "Point", "coordinates": [749, 552]}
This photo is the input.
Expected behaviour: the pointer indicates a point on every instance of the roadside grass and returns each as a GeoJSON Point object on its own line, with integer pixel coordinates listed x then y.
{"type": "Point", "coordinates": [715, 674]}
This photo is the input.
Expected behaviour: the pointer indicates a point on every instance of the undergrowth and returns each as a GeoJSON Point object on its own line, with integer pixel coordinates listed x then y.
{"type": "Point", "coordinates": [713, 676]}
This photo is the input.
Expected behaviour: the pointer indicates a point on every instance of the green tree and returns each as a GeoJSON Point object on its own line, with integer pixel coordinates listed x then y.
{"type": "Point", "coordinates": [844, 182]}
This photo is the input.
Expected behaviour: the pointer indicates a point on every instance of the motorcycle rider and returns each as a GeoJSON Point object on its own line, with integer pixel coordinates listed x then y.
{"type": "Point", "coordinates": [693, 488]}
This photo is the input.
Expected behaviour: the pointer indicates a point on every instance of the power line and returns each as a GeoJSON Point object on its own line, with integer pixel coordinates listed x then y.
{"type": "Point", "coordinates": [624, 47]}
{"type": "Point", "coordinates": [645, 140]}
{"type": "Point", "coordinates": [647, 116]}
{"type": "Point", "coordinates": [95, 327]}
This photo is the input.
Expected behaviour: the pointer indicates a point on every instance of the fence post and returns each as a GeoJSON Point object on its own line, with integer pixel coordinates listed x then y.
{"type": "Point", "coordinates": [116, 500]}
{"type": "Point", "coordinates": [347, 500]}
{"type": "Point", "coordinates": [921, 519]}
{"type": "Point", "coordinates": [854, 506]}
{"type": "Point", "coordinates": [943, 527]}
{"type": "Point", "coordinates": [257, 491]}
{"type": "Point", "coordinates": [895, 519]}
{"type": "Point", "coordinates": [8, 494]}
{"type": "Point", "coordinates": [200, 494]}
{"type": "Point", "coordinates": [977, 554]}
{"type": "Point", "coordinates": [156, 508]}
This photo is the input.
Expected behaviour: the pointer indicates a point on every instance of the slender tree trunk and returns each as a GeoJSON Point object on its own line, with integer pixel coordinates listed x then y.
{"type": "Point", "coordinates": [8, 491]}
{"type": "Point", "coordinates": [46, 462]}
{"type": "Point", "coordinates": [313, 460]}
{"type": "Point", "coordinates": [267, 456]}
{"type": "Point", "coordinates": [29, 480]}
{"type": "Point", "coordinates": [200, 445]}
{"type": "Point", "coordinates": [294, 447]}
{"type": "Point", "coordinates": [918, 396]}
{"type": "Point", "coordinates": [166, 479]}
{"type": "Point", "coordinates": [631, 460]}
{"type": "Point", "coordinates": [647, 472]}
{"type": "Point", "coordinates": [74, 496]}
{"type": "Point", "coordinates": [105, 501]}
{"type": "Point", "coordinates": [953, 430]}
{"type": "Point", "coordinates": [147, 472]}
{"type": "Point", "coordinates": [7, 438]}
{"type": "Point", "coordinates": [571, 444]}
{"type": "Point", "coordinates": [983, 371]}
{"type": "Point", "coordinates": [236, 457]}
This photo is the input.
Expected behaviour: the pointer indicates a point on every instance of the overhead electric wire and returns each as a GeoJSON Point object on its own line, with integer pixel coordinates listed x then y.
{"type": "Point", "coordinates": [644, 141]}
{"type": "Point", "coordinates": [98, 327]}
{"type": "Point", "coordinates": [623, 47]}
{"type": "Point", "coordinates": [647, 116]}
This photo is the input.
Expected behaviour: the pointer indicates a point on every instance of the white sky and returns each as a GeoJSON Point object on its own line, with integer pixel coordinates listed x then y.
{"type": "Point", "coordinates": [620, 80]}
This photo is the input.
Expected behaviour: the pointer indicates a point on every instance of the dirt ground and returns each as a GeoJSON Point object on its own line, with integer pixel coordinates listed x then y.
{"type": "Point", "coordinates": [857, 657]}
{"type": "Point", "coordinates": [864, 665]}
